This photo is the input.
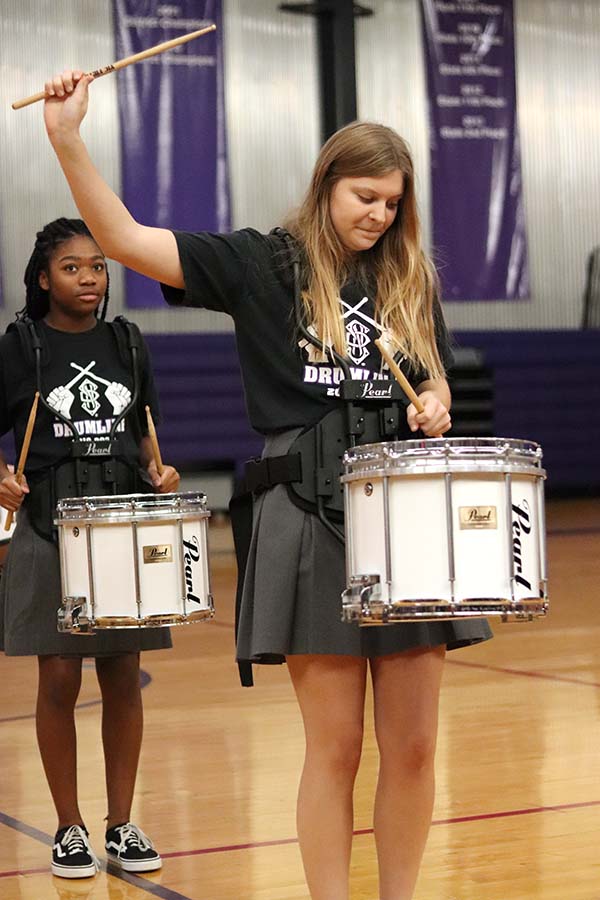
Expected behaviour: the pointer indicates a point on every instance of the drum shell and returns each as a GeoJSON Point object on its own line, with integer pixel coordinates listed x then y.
{"type": "Point", "coordinates": [448, 532]}
{"type": "Point", "coordinates": [136, 559]}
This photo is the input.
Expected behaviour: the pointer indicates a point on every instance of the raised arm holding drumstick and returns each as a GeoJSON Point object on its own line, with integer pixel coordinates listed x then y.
{"type": "Point", "coordinates": [356, 237]}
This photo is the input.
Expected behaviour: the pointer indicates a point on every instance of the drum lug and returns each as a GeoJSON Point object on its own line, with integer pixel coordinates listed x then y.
{"type": "Point", "coordinates": [361, 602]}
{"type": "Point", "coordinates": [73, 616]}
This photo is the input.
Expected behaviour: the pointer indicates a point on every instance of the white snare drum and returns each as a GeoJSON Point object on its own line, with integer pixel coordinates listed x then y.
{"type": "Point", "coordinates": [133, 560]}
{"type": "Point", "coordinates": [444, 528]}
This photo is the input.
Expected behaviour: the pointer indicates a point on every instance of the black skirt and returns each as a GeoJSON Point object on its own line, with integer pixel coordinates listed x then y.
{"type": "Point", "coordinates": [30, 595]}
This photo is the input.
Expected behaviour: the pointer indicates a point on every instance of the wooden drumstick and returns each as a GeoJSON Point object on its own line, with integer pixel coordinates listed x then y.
{"type": "Point", "coordinates": [127, 61]}
{"type": "Point", "coordinates": [154, 441]}
{"type": "Point", "coordinates": [23, 454]}
{"type": "Point", "coordinates": [400, 376]}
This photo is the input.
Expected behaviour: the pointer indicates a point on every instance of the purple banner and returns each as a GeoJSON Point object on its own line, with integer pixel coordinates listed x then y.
{"type": "Point", "coordinates": [479, 239]}
{"type": "Point", "coordinates": [171, 108]}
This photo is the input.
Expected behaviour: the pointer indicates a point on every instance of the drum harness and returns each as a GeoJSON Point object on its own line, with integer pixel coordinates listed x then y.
{"type": "Point", "coordinates": [371, 411]}
{"type": "Point", "coordinates": [81, 472]}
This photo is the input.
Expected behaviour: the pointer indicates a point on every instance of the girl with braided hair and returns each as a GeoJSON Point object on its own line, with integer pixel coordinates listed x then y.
{"type": "Point", "coordinates": [64, 316]}
{"type": "Point", "coordinates": [53, 234]}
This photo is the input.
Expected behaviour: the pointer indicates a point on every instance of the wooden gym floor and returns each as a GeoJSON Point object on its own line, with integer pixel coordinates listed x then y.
{"type": "Point", "coordinates": [517, 814]}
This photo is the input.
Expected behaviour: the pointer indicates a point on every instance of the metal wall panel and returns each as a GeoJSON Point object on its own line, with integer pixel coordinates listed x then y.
{"type": "Point", "coordinates": [390, 82]}
{"type": "Point", "coordinates": [272, 109]}
{"type": "Point", "coordinates": [38, 39]}
{"type": "Point", "coordinates": [272, 122]}
{"type": "Point", "coordinates": [273, 129]}
{"type": "Point", "coordinates": [558, 85]}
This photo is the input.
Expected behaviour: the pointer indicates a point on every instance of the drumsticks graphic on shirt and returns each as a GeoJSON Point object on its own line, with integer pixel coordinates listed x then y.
{"type": "Point", "coordinates": [23, 454]}
{"type": "Point", "coordinates": [61, 398]}
{"type": "Point", "coordinates": [154, 441]}
{"type": "Point", "coordinates": [117, 394]}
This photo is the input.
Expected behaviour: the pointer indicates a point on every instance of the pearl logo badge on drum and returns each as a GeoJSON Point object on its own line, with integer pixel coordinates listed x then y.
{"type": "Point", "coordinates": [157, 553]}
{"type": "Point", "coordinates": [477, 517]}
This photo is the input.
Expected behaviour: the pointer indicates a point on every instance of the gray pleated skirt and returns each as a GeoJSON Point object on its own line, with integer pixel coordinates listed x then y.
{"type": "Point", "coordinates": [291, 599]}
{"type": "Point", "coordinates": [30, 595]}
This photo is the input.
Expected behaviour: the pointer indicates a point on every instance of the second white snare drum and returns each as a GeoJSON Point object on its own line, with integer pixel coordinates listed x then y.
{"type": "Point", "coordinates": [444, 528]}
{"type": "Point", "coordinates": [133, 560]}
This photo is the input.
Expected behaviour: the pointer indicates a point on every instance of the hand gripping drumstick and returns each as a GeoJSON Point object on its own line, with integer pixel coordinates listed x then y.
{"type": "Point", "coordinates": [127, 61]}
{"type": "Point", "coordinates": [24, 452]}
{"type": "Point", "coordinates": [399, 376]}
{"type": "Point", "coordinates": [154, 441]}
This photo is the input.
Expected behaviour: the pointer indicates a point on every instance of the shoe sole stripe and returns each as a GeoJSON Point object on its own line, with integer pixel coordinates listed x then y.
{"type": "Point", "coordinates": [73, 871]}
{"type": "Point", "coordinates": [142, 865]}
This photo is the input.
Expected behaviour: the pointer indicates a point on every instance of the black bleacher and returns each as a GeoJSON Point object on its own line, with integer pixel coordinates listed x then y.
{"type": "Point", "coordinates": [472, 386]}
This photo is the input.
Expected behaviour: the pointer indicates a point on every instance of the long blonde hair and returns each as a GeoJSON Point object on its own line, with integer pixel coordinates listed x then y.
{"type": "Point", "coordinates": [406, 282]}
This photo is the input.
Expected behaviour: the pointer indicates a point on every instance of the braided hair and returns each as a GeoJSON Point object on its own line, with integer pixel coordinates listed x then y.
{"type": "Point", "coordinates": [47, 240]}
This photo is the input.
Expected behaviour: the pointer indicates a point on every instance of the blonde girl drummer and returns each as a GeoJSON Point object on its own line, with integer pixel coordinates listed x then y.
{"type": "Point", "coordinates": [363, 275]}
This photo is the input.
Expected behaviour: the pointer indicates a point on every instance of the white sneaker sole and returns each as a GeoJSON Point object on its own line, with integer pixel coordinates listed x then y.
{"type": "Point", "coordinates": [73, 871]}
{"type": "Point", "coordinates": [138, 865]}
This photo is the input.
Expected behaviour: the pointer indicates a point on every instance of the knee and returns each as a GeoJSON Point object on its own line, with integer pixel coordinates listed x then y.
{"type": "Point", "coordinates": [339, 751]}
{"type": "Point", "coordinates": [119, 674]}
{"type": "Point", "coordinates": [414, 754]}
{"type": "Point", "coordinates": [419, 754]}
{"type": "Point", "coordinates": [60, 690]}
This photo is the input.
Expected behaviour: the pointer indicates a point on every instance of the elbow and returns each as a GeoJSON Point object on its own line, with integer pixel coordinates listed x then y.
{"type": "Point", "coordinates": [119, 243]}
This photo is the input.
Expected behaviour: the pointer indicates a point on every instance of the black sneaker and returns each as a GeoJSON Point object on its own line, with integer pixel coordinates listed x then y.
{"type": "Point", "coordinates": [131, 849]}
{"type": "Point", "coordinates": [72, 856]}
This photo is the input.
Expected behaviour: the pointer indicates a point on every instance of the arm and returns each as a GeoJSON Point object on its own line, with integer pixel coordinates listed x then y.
{"type": "Point", "coordinates": [436, 399]}
{"type": "Point", "coordinates": [150, 251]}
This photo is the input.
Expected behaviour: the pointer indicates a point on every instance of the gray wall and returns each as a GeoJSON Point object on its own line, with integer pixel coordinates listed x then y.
{"type": "Point", "coordinates": [272, 115]}
{"type": "Point", "coordinates": [558, 89]}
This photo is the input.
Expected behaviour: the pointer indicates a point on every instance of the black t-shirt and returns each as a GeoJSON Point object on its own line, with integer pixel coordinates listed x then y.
{"type": "Point", "coordinates": [247, 275]}
{"type": "Point", "coordinates": [87, 379]}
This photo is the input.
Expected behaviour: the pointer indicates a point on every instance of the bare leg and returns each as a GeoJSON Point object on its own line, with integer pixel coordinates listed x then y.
{"type": "Point", "coordinates": [406, 690]}
{"type": "Point", "coordinates": [122, 726]}
{"type": "Point", "coordinates": [58, 689]}
{"type": "Point", "coordinates": [331, 694]}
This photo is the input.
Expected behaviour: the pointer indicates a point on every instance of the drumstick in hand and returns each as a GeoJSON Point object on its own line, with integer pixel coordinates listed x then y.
{"type": "Point", "coordinates": [154, 441]}
{"type": "Point", "coordinates": [400, 376]}
{"type": "Point", "coordinates": [23, 454]}
{"type": "Point", "coordinates": [127, 61]}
